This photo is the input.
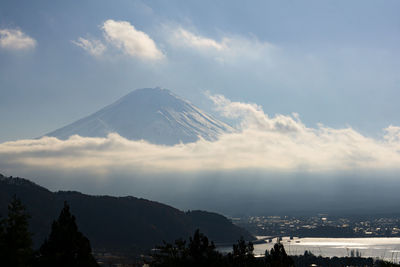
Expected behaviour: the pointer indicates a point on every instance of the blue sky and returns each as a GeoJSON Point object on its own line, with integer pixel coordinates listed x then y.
{"type": "Point", "coordinates": [332, 62]}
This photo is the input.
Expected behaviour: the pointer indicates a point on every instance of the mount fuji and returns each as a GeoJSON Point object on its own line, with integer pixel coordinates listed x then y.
{"type": "Point", "coordinates": [152, 114]}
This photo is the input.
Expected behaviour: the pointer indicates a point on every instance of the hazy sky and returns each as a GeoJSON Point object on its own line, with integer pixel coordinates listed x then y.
{"type": "Point", "coordinates": [332, 62]}
{"type": "Point", "coordinates": [313, 85]}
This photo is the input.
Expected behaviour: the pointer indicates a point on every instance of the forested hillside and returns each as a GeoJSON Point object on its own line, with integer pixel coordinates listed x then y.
{"type": "Point", "coordinates": [115, 223]}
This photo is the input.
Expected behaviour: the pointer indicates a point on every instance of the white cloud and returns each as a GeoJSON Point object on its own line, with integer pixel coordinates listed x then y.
{"type": "Point", "coordinates": [279, 143]}
{"type": "Point", "coordinates": [15, 39]}
{"type": "Point", "coordinates": [392, 134]}
{"type": "Point", "coordinates": [186, 38]}
{"type": "Point", "coordinates": [231, 49]}
{"type": "Point", "coordinates": [93, 47]}
{"type": "Point", "coordinates": [133, 42]}
{"type": "Point", "coordinates": [253, 117]}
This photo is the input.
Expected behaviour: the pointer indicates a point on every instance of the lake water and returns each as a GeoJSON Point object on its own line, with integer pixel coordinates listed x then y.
{"type": "Point", "coordinates": [376, 247]}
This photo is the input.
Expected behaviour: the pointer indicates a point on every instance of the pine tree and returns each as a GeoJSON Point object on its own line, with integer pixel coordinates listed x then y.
{"type": "Point", "coordinates": [201, 251]}
{"type": "Point", "coordinates": [2, 237]}
{"type": "Point", "coordinates": [66, 246]}
{"type": "Point", "coordinates": [16, 241]}
{"type": "Point", "coordinates": [243, 253]}
{"type": "Point", "coordinates": [277, 257]}
{"type": "Point", "coordinates": [198, 252]}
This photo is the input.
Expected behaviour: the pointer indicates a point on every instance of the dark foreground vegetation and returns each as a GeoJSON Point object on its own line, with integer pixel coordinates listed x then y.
{"type": "Point", "coordinates": [66, 246]}
{"type": "Point", "coordinates": [199, 251]}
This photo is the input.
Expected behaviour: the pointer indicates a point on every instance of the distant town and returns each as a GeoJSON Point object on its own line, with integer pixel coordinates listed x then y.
{"type": "Point", "coordinates": [321, 225]}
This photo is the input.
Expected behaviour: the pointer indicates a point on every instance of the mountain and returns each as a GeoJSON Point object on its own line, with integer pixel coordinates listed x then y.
{"type": "Point", "coordinates": [121, 224]}
{"type": "Point", "coordinates": [152, 114]}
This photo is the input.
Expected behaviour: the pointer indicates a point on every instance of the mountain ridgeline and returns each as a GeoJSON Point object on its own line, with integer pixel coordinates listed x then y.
{"type": "Point", "coordinates": [115, 223]}
{"type": "Point", "coordinates": [152, 114]}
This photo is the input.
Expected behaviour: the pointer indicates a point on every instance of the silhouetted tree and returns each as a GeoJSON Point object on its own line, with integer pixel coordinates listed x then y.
{"type": "Point", "coordinates": [170, 254]}
{"type": "Point", "coordinates": [277, 257]}
{"type": "Point", "coordinates": [198, 252]}
{"type": "Point", "coordinates": [66, 246]}
{"type": "Point", "coordinates": [2, 241]}
{"type": "Point", "coordinates": [243, 253]}
{"type": "Point", "coordinates": [201, 251]}
{"type": "Point", "coordinates": [15, 239]}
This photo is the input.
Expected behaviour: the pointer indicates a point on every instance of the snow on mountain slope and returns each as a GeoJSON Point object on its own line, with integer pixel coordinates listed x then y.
{"type": "Point", "coordinates": [152, 114]}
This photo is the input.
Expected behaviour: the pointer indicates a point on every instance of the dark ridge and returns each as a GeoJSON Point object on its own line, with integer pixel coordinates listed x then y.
{"type": "Point", "coordinates": [119, 224]}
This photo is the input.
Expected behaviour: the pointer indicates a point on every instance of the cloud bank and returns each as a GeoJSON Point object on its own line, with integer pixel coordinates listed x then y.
{"type": "Point", "coordinates": [280, 143]}
{"type": "Point", "coordinates": [15, 39]}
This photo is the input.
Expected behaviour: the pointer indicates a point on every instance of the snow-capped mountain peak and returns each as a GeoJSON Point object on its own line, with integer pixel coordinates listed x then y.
{"type": "Point", "coordinates": [152, 114]}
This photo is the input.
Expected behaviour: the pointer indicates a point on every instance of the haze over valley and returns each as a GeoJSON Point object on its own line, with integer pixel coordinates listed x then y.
{"type": "Point", "coordinates": [153, 144]}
